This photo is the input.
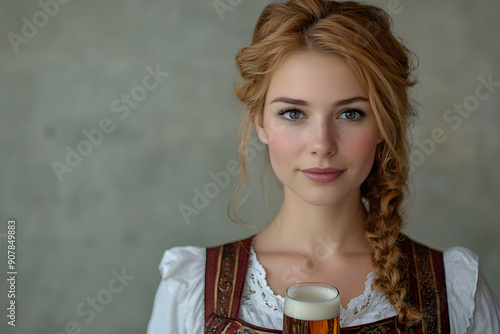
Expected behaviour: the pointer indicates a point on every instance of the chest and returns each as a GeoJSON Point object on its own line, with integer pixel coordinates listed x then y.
{"type": "Point", "coordinates": [347, 273]}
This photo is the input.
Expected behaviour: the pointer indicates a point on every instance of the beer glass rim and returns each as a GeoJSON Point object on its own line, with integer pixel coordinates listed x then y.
{"type": "Point", "coordinates": [318, 284]}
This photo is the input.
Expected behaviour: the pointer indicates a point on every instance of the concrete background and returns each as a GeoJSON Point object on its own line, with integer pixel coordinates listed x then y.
{"type": "Point", "coordinates": [118, 208]}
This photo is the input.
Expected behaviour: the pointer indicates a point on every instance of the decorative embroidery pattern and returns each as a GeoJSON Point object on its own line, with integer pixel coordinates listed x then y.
{"type": "Point", "coordinates": [384, 328]}
{"type": "Point", "coordinates": [211, 327]}
{"type": "Point", "coordinates": [428, 290]}
{"type": "Point", "coordinates": [227, 274]}
{"type": "Point", "coordinates": [222, 325]}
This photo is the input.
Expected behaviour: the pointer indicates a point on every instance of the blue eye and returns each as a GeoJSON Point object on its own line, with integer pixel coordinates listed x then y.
{"type": "Point", "coordinates": [352, 114]}
{"type": "Point", "coordinates": [291, 114]}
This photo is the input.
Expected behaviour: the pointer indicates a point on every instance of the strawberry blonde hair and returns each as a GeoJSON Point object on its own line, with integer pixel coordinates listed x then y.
{"type": "Point", "coordinates": [361, 36]}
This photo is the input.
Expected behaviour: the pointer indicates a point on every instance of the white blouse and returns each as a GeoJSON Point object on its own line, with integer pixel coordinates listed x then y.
{"type": "Point", "coordinates": [179, 302]}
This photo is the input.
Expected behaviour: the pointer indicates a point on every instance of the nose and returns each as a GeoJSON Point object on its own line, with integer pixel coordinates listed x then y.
{"type": "Point", "coordinates": [323, 139]}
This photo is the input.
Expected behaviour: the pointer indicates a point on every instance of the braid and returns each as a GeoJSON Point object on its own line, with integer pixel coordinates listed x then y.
{"type": "Point", "coordinates": [382, 230]}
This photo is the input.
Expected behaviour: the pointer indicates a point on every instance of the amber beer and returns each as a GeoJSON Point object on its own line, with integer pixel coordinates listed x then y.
{"type": "Point", "coordinates": [311, 308]}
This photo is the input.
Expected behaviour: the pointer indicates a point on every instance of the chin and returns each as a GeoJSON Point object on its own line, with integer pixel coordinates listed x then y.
{"type": "Point", "coordinates": [321, 197]}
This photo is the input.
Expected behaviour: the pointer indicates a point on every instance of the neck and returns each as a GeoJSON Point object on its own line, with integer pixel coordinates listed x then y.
{"type": "Point", "coordinates": [302, 227]}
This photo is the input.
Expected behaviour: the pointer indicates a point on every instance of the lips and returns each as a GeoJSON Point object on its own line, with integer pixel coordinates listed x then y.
{"type": "Point", "coordinates": [322, 170]}
{"type": "Point", "coordinates": [322, 175]}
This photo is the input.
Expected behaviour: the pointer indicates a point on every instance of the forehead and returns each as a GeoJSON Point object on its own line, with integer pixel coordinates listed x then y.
{"type": "Point", "coordinates": [308, 75]}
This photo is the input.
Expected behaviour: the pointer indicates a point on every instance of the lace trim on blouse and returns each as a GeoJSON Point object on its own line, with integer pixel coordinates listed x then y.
{"type": "Point", "coordinates": [258, 298]}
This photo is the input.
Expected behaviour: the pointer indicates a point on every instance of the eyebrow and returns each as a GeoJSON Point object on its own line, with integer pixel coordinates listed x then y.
{"type": "Point", "coordinates": [304, 103]}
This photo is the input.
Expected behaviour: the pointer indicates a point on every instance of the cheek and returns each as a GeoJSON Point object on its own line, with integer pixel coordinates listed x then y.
{"type": "Point", "coordinates": [363, 146]}
{"type": "Point", "coordinates": [284, 146]}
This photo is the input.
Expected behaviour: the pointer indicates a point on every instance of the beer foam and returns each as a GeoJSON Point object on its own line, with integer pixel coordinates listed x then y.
{"type": "Point", "coordinates": [312, 303]}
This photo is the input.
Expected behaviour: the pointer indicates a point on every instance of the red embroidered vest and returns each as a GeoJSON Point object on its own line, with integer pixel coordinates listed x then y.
{"type": "Point", "coordinates": [226, 268]}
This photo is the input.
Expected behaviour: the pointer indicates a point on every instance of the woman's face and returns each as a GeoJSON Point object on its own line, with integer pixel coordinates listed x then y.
{"type": "Point", "coordinates": [321, 131]}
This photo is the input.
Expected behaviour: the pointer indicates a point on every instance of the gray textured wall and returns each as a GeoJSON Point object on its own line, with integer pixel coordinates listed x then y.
{"type": "Point", "coordinates": [118, 208]}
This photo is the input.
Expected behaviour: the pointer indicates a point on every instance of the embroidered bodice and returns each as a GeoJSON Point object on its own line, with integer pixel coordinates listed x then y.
{"type": "Point", "coordinates": [257, 295]}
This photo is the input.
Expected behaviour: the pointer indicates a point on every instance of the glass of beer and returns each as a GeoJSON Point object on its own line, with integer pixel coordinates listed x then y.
{"type": "Point", "coordinates": [311, 308]}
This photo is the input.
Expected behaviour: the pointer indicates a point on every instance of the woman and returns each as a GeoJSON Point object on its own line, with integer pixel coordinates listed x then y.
{"type": "Point", "coordinates": [326, 88]}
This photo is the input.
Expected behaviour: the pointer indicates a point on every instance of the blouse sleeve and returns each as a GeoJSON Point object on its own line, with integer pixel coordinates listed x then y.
{"type": "Point", "coordinates": [179, 302]}
{"type": "Point", "coordinates": [472, 306]}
